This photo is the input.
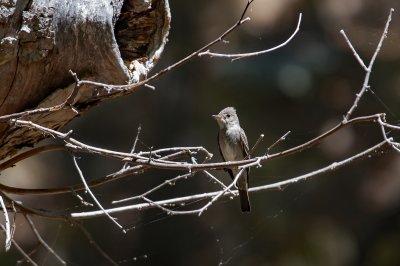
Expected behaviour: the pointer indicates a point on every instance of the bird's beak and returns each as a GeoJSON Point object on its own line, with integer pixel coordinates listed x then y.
{"type": "Point", "coordinates": [217, 117]}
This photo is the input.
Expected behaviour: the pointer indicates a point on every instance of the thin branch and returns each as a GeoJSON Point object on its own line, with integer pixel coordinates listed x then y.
{"type": "Point", "coordinates": [81, 200]}
{"type": "Point", "coordinates": [245, 55]}
{"type": "Point", "coordinates": [181, 166]}
{"type": "Point", "coordinates": [384, 35]}
{"type": "Point", "coordinates": [14, 219]}
{"type": "Point", "coordinates": [7, 225]}
{"type": "Point", "coordinates": [94, 243]}
{"type": "Point", "coordinates": [78, 187]}
{"type": "Point", "coordinates": [20, 250]}
{"type": "Point", "coordinates": [193, 167]}
{"type": "Point", "coordinates": [360, 61]}
{"type": "Point", "coordinates": [371, 63]}
{"type": "Point", "coordinates": [394, 145]}
{"type": "Point", "coordinates": [74, 144]}
{"type": "Point", "coordinates": [278, 141]}
{"type": "Point", "coordinates": [37, 212]}
{"type": "Point", "coordinates": [274, 186]}
{"type": "Point", "coordinates": [134, 145]}
{"type": "Point", "coordinates": [161, 207]}
{"type": "Point", "coordinates": [222, 192]}
{"type": "Point", "coordinates": [217, 181]}
{"type": "Point", "coordinates": [169, 182]}
{"type": "Point", "coordinates": [260, 138]}
{"type": "Point", "coordinates": [175, 149]}
{"type": "Point", "coordinates": [72, 96]}
{"type": "Point", "coordinates": [40, 239]}
{"type": "Point", "coordinates": [172, 165]}
{"type": "Point", "coordinates": [131, 87]}
{"type": "Point", "coordinates": [34, 151]}
{"type": "Point", "coordinates": [362, 119]}
{"type": "Point", "coordinates": [166, 182]}
{"type": "Point", "coordinates": [88, 190]}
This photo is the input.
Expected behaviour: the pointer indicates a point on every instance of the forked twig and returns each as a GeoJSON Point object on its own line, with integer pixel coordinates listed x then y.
{"type": "Point", "coordinates": [222, 193]}
{"type": "Point", "coordinates": [368, 69]}
{"type": "Point", "coordinates": [130, 87]}
{"type": "Point", "coordinates": [133, 147]}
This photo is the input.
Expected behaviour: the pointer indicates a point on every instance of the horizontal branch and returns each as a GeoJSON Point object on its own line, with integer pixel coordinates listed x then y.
{"type": "Point", "coordinates": [77, 146]}
{"type": "Point", "coordinates": [146, 163]}
{"type": "Point", "coordinates": [203, 196]}
{"type": "Point", "coordinates": [27, 154]}
{"type": "Point", "coordinates": [78, 187]}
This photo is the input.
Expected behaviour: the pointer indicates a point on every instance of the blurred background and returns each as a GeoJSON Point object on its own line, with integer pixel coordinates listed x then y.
{"type": "Point", "coordinates": [347, 217]}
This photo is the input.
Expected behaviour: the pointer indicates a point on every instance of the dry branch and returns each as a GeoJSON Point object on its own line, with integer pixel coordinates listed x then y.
{"type": "Point", "coordinates": [183, 159]}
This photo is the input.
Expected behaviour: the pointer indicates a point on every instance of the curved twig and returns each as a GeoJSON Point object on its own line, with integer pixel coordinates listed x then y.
{"type": "Point", "coordinates": [257, 53]}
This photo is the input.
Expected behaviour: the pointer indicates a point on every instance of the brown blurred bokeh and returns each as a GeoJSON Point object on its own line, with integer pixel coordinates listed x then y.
{"type": "Point", "coordinates": [347, 217]}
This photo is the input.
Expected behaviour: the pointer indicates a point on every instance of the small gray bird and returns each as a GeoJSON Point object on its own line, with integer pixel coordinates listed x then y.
{"type": "Point", "coordinates": [233, 146]}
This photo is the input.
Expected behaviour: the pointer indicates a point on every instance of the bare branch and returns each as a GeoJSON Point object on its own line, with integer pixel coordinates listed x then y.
{"type": "Point", "coordinates": [20, 250]}
{"type": "Point", "coordinates": [27, 210]}
{"type": "Point", "coordinates": [101, 181]}
{"type": "Point", "coordinates": [40, 239]}
{"type": "Point", "coordinates": [94, 244]}
{"type": "Point", "coordinates": [7, 226]}
{"type": "Point", "coordinates": [223, 192]}
{"type": "Point", "coordinates": [274, 186]}
{"type": "Point", "coordinates": [370, 65]}
{"type": "Point", "coordinates": [245, 55]}
{"type": "Point", "coordinates": [145, 164]}
{"type": "Point", "coordinates": [134, 145]}
{"type": "Point", "coordinates": [360, 61]}
{"type": "Point", "coordinates": [11, 162]}
{"type": "Point", "coordinates": [278, 141]}
{"type": "Point", "coordinates": [182, 159]}
{"type": "Point", "coordinates": [88, 190]}
{"type": "Point", "coordinates": [131, 87]}
{"type": "Point", "coordinates": [260, 138]}
{"type": "Point", "coordinates": [172, 165]}
{"type": "Point", "coordinates": [166, 182]}
{"type": "Point", "coordinates": [216, 180]}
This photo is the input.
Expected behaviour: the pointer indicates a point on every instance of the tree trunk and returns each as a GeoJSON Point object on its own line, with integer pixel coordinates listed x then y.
{"type": "Point", "coordinates": [108, 41]}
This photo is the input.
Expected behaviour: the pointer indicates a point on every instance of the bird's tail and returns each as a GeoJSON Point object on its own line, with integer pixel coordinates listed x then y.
{"type": "Point", "coordinates": [244, 200]}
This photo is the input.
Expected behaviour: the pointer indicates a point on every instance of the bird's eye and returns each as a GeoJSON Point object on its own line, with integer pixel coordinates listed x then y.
{"type": "Point", "coordinates": [228, 115]}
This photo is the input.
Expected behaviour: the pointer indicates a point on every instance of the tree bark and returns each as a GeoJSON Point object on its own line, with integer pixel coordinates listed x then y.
{"type": "Point", "coordinates": [108, 41]}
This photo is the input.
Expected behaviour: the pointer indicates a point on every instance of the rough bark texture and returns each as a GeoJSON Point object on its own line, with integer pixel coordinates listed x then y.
{"type": "Point", "coordinates": [108, 41]}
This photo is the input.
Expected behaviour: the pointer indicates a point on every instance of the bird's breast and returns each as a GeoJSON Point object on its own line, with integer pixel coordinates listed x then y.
{"type": "Point", "coordinates": [231, 146]}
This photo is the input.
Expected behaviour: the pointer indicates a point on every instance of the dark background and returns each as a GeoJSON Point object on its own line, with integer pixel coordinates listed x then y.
{"type": "Point", "coordinates": [347, 217]}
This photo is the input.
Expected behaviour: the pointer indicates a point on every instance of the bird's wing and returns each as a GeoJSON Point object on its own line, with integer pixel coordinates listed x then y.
{"type": "Point", "coordinates": [245, 144]}
{"type": "Point", "coordinates": [245, 148]}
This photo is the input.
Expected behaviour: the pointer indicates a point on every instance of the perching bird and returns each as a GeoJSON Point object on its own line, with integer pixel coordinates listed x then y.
{"type": "Point", "coordinates": [233, 146]}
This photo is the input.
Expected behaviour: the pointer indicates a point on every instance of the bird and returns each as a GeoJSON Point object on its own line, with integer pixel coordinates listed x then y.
{"type": "Point", "coordinates": [233, 146]}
